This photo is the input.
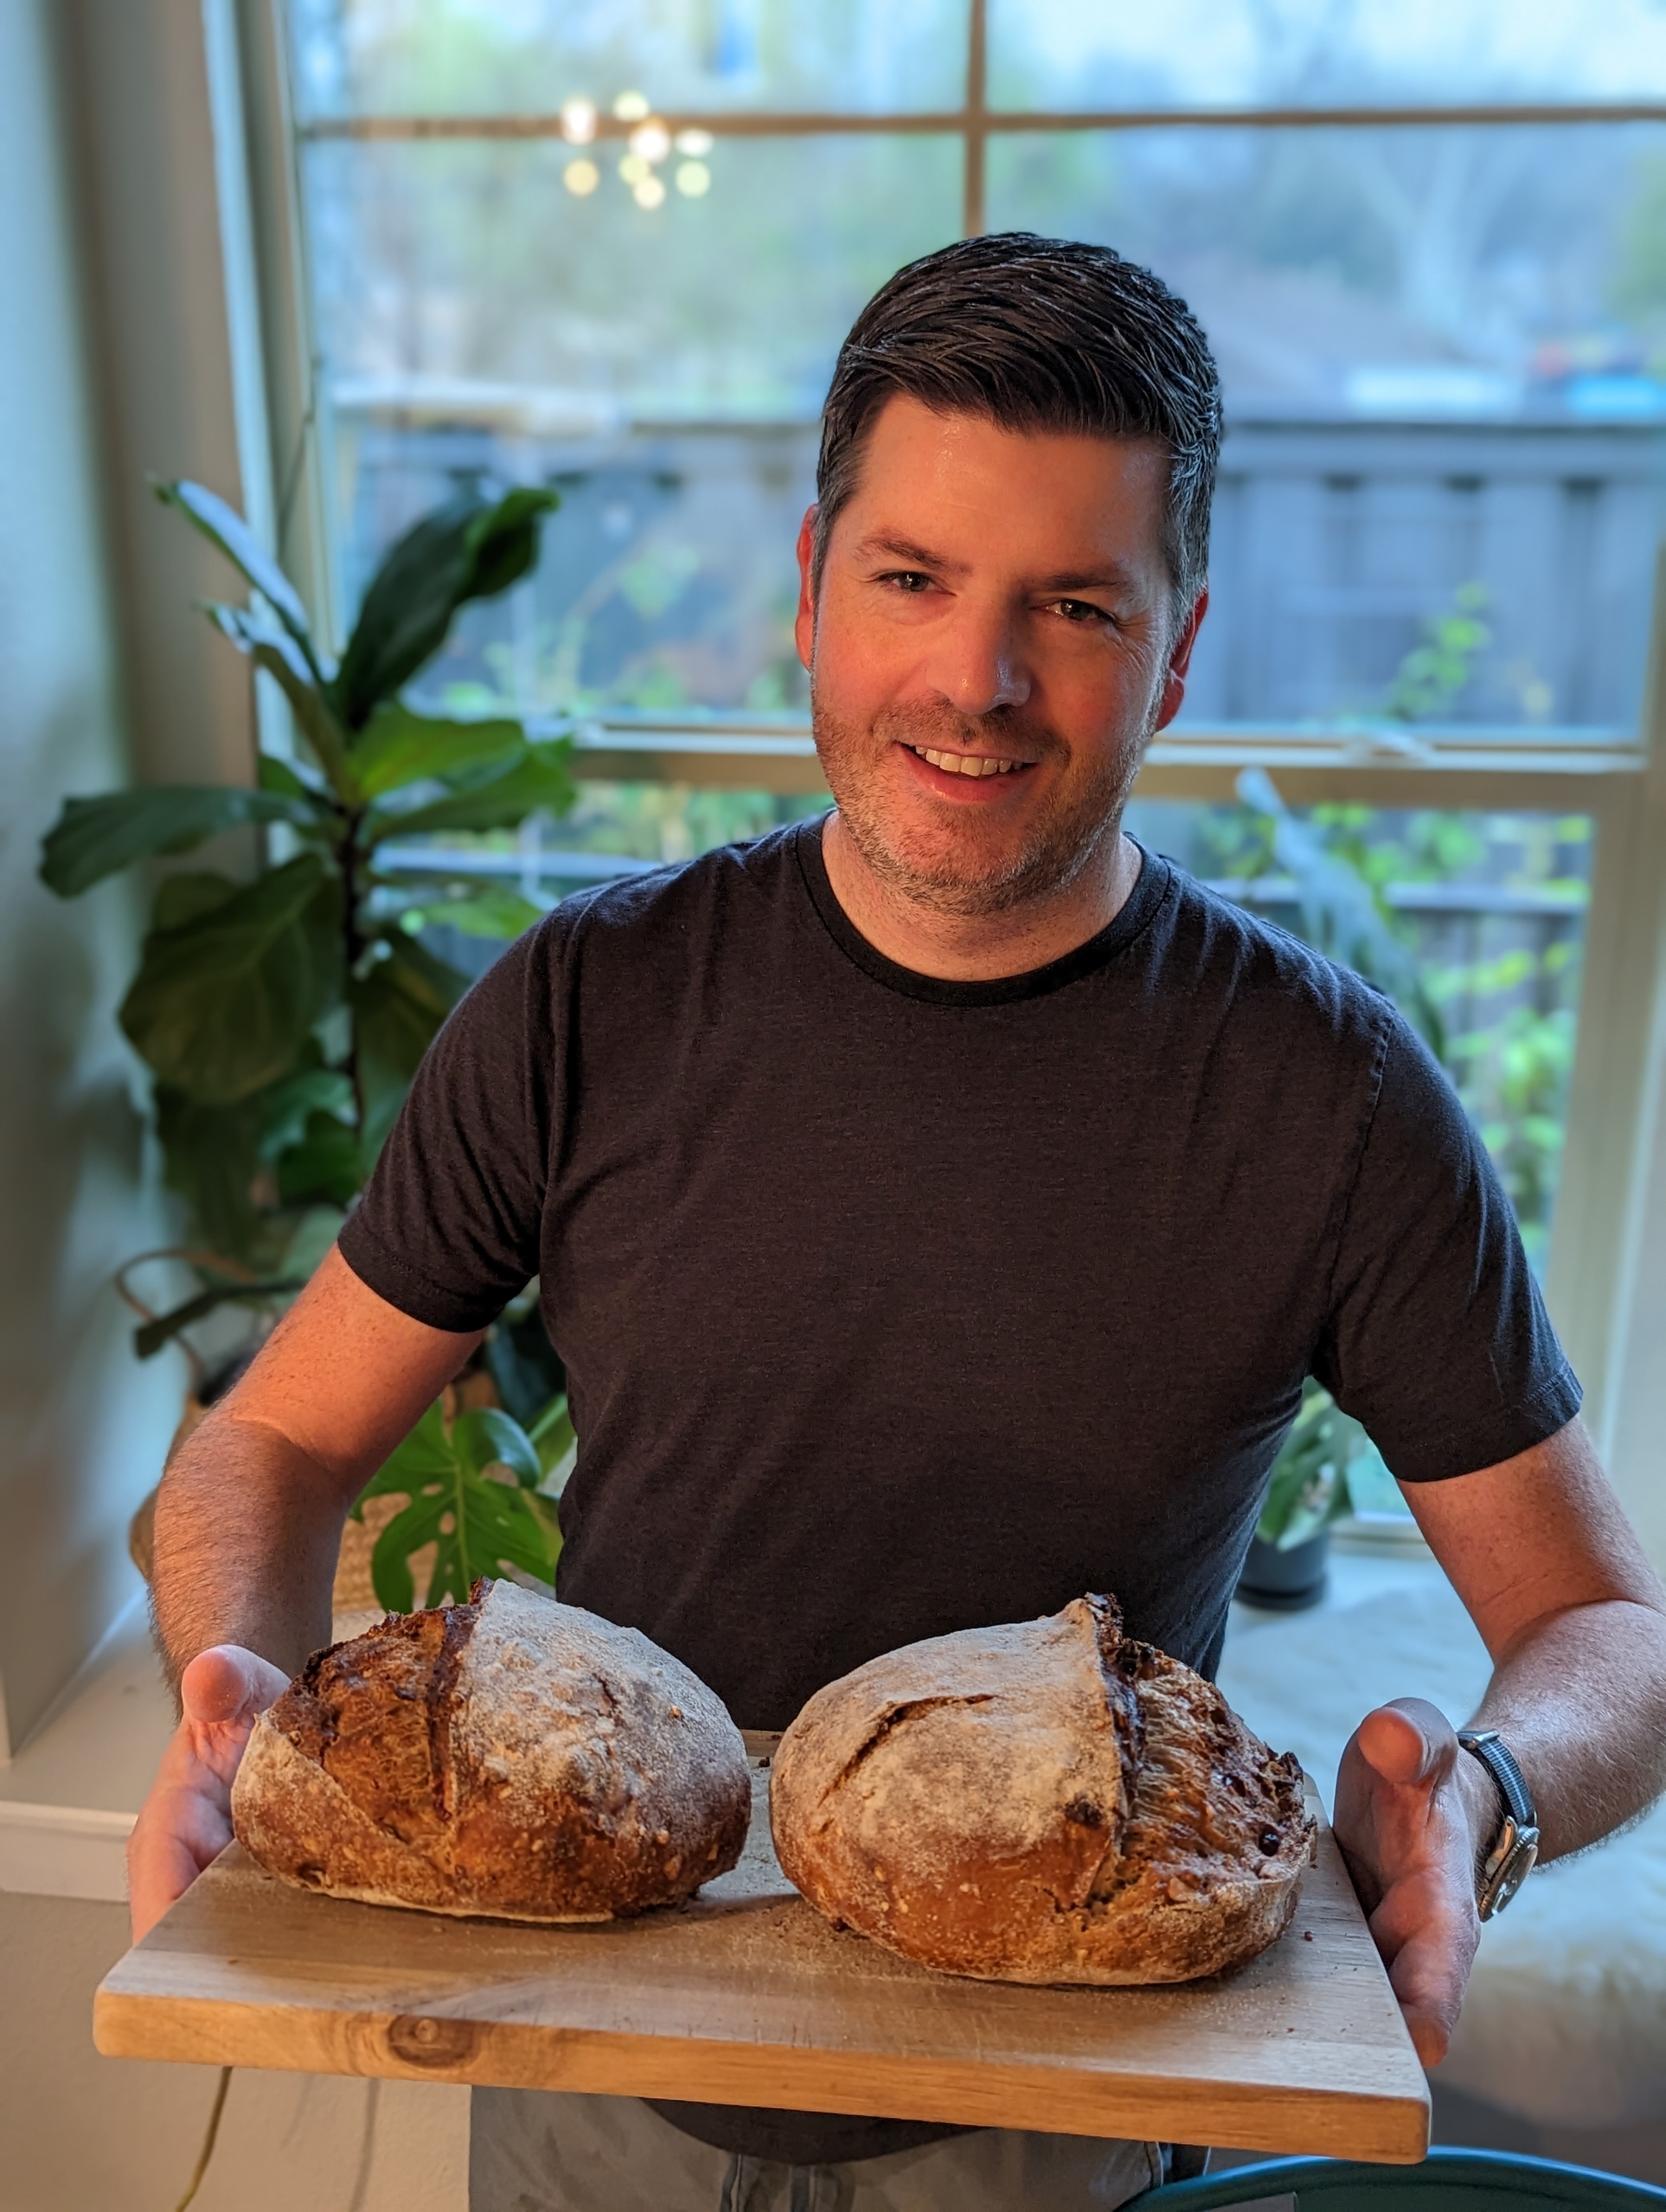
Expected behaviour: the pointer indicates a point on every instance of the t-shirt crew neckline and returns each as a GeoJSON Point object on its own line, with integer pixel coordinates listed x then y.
{"type": "Point", "coordinates": [1119, 932]}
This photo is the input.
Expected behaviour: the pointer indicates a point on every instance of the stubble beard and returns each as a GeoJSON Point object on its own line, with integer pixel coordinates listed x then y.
{"type": "Point", "coordinates": [944, 870]}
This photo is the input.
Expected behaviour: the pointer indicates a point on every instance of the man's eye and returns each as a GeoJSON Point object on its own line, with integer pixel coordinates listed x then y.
{"type": "Point", "coordinates": [909, 579]}
{"type": "Point", "coordinates": [1079, 611]}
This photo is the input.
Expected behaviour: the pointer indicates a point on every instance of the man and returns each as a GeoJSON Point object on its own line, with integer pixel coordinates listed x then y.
{"type": "Point", "coordinates": [938, 1208]}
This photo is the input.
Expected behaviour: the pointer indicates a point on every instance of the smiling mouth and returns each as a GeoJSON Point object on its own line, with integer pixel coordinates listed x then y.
{"type": "Point", "coordinates": [968, 763]}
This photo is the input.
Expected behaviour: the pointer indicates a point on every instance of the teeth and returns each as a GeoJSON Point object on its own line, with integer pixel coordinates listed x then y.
{"type": "Point", "coordinates": [966, 764]}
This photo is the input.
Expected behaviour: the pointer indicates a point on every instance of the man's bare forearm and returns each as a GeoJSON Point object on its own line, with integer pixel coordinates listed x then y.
{"type": "Point", "coordinates": [1580, 1700]}
{"type": "Point", "coordinates": [248, 1527]}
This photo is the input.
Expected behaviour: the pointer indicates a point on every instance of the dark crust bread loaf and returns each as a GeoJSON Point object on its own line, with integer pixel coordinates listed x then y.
{"type": "Point", "coordinates": [1051, 1802]}
{"type": "Point", "coordinates": [512, 1756]}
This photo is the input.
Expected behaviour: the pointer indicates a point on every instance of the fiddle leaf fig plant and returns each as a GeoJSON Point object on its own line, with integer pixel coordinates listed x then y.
{"type": "Point", "coordinates": [283, 1018]}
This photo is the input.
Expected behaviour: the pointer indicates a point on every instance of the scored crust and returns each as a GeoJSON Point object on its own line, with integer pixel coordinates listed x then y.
{"type": "Point", "coordinates": [512, 1757]}
{"type": "Point", "coordinates": [1048, 1802]}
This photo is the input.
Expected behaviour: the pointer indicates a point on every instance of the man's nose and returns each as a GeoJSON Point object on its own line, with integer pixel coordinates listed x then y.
{"type": "Point", "coordinates": [978, 664]}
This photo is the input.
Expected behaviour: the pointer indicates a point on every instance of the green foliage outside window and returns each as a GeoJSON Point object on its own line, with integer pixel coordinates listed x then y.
{"type": "Point", "coordinates": [1510, 1063]}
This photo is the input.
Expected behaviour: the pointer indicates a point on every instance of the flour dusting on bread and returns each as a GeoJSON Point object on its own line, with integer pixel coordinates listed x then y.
{"type": "Point", "coordinates": [513, 1757]}
{"type": "Point", "coordinates": [1048, 1802]}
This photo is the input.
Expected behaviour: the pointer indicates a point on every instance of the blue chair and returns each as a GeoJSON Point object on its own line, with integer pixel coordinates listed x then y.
{"type": "Point", "coordinates": [1446, 2181]}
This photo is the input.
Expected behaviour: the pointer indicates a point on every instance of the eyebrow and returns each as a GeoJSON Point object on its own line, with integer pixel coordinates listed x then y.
{"type": "Point", "coordinates": [1113, 575]}
{"type": "Point", "coordinates": [917, 557]}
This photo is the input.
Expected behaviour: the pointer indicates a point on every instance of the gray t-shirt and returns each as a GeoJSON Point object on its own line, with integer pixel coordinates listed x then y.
{"type": "Point", "coordinates": [892, 1306]}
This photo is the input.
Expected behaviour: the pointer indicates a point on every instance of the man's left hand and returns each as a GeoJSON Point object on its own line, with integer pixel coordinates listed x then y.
{"type": "Point", "coordinates": [1413, 1813]}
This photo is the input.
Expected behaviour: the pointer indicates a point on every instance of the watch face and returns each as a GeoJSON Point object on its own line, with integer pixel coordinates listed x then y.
{"type": "Point", "coordinates": [1518, 1863]}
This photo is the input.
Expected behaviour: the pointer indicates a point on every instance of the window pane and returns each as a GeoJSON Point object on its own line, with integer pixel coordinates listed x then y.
{"type": "Point", "coordinates": [616, 829]}
{"type": "Point", "coordinates": [1474, 923]}
{"type": "Point", "coordinates": [667, 365]}
{"type": "Point", "coordinates": [1315, 53]}
{"type": "Point", "coordinates": [1444, 359]}
{"type": "Point", "coordinates": [529, 57]}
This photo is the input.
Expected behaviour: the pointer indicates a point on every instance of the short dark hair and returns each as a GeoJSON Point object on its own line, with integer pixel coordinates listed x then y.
{"type": "Point", "coordinates": [1035, 334]}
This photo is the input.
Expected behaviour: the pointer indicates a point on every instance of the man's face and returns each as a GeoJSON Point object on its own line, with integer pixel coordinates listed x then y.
{"type": "Point", "coordinates": [995, 642]}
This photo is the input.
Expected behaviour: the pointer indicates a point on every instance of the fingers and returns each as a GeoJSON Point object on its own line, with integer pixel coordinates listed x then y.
{"type": "Point", "coordinates": [180, 1829]}
{"type": "Point", "coordinates": [185, 1820]}
{"type": "Point", "coordinates": [1428, 1972]}
{"type": "Point", "coordinates": [1408, 1743]}
{"type": "Point", "coordinates": [226, 1684]}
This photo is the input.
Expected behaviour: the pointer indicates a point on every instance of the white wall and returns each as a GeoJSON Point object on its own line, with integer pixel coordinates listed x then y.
{"type": "Point", "coordinates": [79, 2133]}
{"type": "Point", "coordinates": [81, 1426]}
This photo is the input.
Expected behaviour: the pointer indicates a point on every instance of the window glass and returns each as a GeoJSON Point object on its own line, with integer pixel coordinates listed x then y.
{"type": "Point", "coordinates": [664, 366]}
{"type": "Point", "coordinates": [1444, 354]}
{"type": "Point", "coordinates": [527, 57]}
{"type": "Point", "coordinates": [1319, 53]}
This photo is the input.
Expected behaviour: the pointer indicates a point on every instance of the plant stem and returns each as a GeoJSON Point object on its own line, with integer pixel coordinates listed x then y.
{"type": "Point", "coordinates": [352, 860]}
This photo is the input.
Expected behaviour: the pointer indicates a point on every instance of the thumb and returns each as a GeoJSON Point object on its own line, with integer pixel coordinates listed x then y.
{"type": "Point", "coordinates": [226, 1684]}
{"type": "Point", "coordinates": [1409, 1743]}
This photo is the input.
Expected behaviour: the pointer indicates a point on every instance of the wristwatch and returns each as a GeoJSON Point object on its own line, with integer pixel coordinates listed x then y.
{"type": "Point", "coordinates": [1516, 1846]}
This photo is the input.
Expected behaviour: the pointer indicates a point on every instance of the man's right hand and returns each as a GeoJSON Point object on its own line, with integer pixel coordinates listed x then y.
{"type": "Point", "coordinates": [185, 1820]}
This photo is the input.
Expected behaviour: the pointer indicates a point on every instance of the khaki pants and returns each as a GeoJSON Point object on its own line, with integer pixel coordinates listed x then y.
{"type": "Point", "coordinates": [533, 2150]}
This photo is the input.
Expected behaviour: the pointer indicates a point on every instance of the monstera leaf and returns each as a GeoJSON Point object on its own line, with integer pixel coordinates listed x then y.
{"type": "Point", "coordinates": [479, 1523]}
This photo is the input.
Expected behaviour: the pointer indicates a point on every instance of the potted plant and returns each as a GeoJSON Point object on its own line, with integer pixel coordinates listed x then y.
{"type": "Point", "coordinates": [1307, 1489]}
{"type": "Point", "coordinates": [283, 1017]}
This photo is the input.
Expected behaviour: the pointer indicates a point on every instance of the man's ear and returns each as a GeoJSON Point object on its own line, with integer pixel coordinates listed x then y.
{"type": "Point", "coordinates": [1180, 660]}
{"type": "Point", "coordinates": [804, 626]}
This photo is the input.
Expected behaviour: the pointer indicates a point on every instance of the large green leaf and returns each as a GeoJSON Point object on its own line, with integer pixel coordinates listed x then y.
{"type": "Point", "coordinates": [288, 1106]}
{"type": "Point", "coordinates": [189, 896]}
{"type": "Point", "coordinates": [488, 910]}
{"type": "Point", "coordinates": [478, 1525]}
{"type": "Point", "coordinates": [94, 838]}
{"type": "Point", "coordinates": [398, 1006]}
{"type": "Point", "coordinates": [275, 775]}
{"type": "Point", "coordinates": [211, 1156]}
{"type": "Point", "coordinates": [488, 1437]}
{"type": "Point", "coordinates": [271, 649]}
{"type": "Point", "coordinates": [323, 1164]}
{"type": "Point", "coordinates": [223, 1004]}
{"type": "Point", "coordinates": [540, 779]}
{"type": "Point", "coordinates": [226, 529]}
{"type": "Point", "coordinates": [398, 747]}
{"type": "Point", "coordinates": [1308, 1486]}
{"type": "Point", "coordinates": [470, 548]}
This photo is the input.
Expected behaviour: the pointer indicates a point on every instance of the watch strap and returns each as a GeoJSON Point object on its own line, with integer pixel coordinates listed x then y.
{"type": "Point", "coordinates": [1496, 1756]}
{"type": "Point", "coordinates": [1515, 1849]}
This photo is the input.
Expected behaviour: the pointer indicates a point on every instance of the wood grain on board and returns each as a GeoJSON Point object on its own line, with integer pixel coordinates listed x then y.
{"type": "Point", "coordinates": [746, 1997]}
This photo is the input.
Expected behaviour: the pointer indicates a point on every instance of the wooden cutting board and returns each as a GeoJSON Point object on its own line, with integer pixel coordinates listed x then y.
{"type": "Point", "coordinates": [747, 1996]}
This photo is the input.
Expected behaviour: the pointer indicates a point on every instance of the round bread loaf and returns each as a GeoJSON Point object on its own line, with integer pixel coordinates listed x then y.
{"type": "Point", "coordinates": [1050, 1802]}
{"type": "Point", "coordinates": [511, 1756]}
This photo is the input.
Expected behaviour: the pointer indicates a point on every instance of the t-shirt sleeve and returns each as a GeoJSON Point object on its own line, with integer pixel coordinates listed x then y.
{"type": "Point", "coordinates": [1438, 1341]}
{"type": "Point", "coordinates": [447, 1229]}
